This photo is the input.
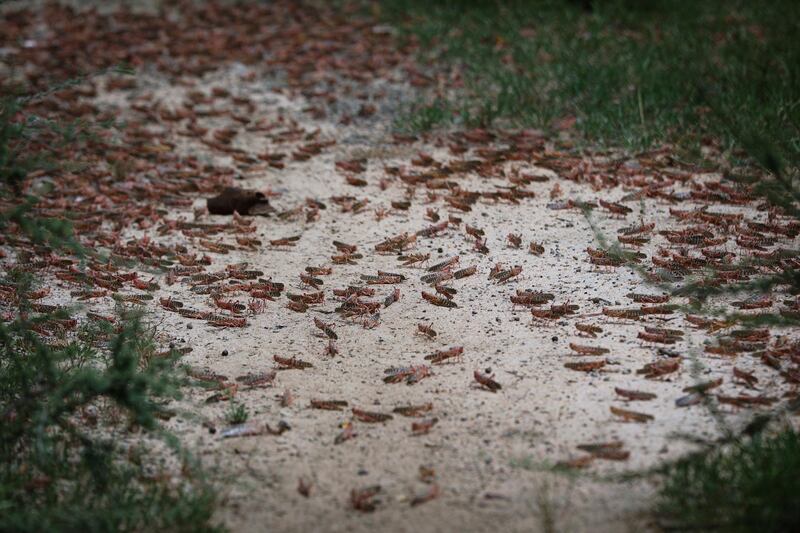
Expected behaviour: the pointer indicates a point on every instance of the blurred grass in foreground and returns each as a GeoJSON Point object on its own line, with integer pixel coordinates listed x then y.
{"type": "Point", "coordinates": [752, 485]}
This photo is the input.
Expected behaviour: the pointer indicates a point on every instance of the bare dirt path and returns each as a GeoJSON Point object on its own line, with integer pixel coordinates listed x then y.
{"type": "Point", "coordinates": [334, 172]}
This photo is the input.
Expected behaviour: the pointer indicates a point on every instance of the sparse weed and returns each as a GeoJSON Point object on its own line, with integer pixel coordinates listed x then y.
{"type": "Point", "coordinates": [237, 414]}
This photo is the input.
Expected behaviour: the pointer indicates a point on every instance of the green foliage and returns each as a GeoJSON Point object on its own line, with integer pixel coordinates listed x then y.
{"type": "Point", "coordinates": [58, 472]}
{"type": "Point", "coordinates": [752, 485]}
{"type": "Point", "coordinates": [237, 414]}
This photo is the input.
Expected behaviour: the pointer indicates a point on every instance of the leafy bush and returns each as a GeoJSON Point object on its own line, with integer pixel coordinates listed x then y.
{"type": "Point", "coordinates": [750, 486]}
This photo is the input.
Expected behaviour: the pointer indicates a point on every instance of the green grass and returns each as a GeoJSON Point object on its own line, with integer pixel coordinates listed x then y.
{"type": "Point", "coordinates": [237, 414]}
{"type": "Point", "coordinates": [633, 74]}
{"type": "Point", "coordinates": [752, 486]}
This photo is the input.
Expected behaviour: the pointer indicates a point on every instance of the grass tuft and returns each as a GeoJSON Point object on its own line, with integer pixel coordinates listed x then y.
{"type": "Point", "coordinates": [237, 414]}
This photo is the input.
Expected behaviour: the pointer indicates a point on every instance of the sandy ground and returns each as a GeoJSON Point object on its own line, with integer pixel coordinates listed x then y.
{"type": "Point", "coordinates": [492, 453]}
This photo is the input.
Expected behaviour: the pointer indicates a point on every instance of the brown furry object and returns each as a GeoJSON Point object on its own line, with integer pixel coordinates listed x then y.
{"type": "Point", "coordinates": [242, 201]}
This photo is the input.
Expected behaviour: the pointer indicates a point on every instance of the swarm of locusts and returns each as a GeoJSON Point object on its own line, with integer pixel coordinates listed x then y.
{"type": "Point", "coordinates": [431, 250]}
